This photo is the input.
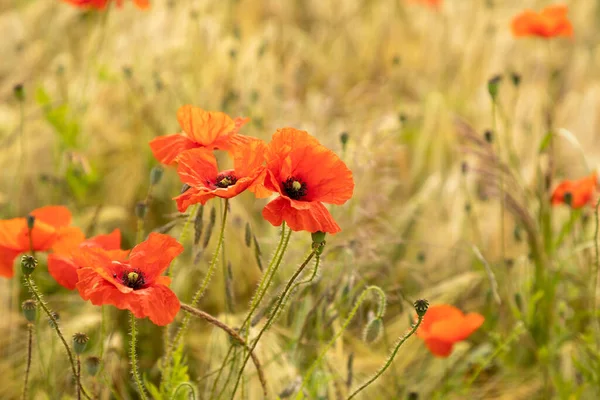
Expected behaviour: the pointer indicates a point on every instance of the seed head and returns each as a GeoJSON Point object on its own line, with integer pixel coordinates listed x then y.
{"type": "Point", "coordinates": [29, 308]}
{"type": "Point", "coordinates": [421, 307]}
{"type": "Point", "coordinates": [80, 341]}
{"type": "Point", "coordinates": [28, 265]}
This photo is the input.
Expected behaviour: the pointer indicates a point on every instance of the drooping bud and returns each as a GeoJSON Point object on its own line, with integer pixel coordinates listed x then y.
{"type": "Point", "coordinates": [92, 365]}
{"type": "Point", "coordinates": [80, 341]}
{"type": "Point", "coordinates": [28, 265]}
{"type": "Point", "coordinates": [19, 92]}
{"type": "Point", "coordinates": [29, 308]}
{"type": "Point", "coordinates": [30, 221]}
{"type": "Point", "coordinates": [140, 210]}
{"type": "Point", "coordinates": [344, 137]}
{"type": "Point", "coordinates": [248, 236]}
{"type": "Point", "coordinates": [421, 307]}
{"type": "Point", "coordinates": [156, 174]}
{"type": "Point", "coordinates": [318, 241]}
{"type": "Point", "coordinates": [373, 330]}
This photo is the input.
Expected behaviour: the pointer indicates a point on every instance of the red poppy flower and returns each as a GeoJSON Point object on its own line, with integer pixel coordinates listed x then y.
{"type": "Point", "coordinates": [306, 175]}
{"type": "Point", "coordinates": [198, 169]}
{"type": "Point", "coordinates": [136, 284]}
{"type": "Point", "coordinates": [63, 267]}
{"type": "Point", "coordinates": [431, 3]}
{"type": "Point", "coordinates": [576, 193]}
{"type": "Point", "coordinates": [444, 325]}
{"type": "Point", "coordinates": [101, 4]}
{"type": "Point", "coordinates": [208, 129]}
{"type": "Point", "coordinates": [51, 230]}
{"type": "Point", "coordinates": [551, 22]}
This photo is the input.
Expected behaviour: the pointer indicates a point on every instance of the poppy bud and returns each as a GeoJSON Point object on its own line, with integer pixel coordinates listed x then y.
{"type": "Point", "coordinates": [140, 210]}
{"type": "Point", "coordinates": [30, 221]}
{"type": "Point", "coordinates": [56, 318]}
{"type": "Point", "coordinates": [80, 341]}
{"type": "Point", "coordinates": [155, 175]}
{"type": "Point", "coordinates": [515, 78]}
{"type": "Point", "coordinates": [344, 136]}
{"type": "Point", "coordinates": [318, 237]}
{"type": "Point", "coordinates": [92, 365]}
{"type": "Point", "coordinates": [248, 237]}
{"type": "Point", "coordinates": [467, 207]}
{"type": "Point", "coordinates": [488, 136]}
{"type": "Point", "coordinates": [373, 330]}
{"type": "Point", "coordinates": [568, 198]}
{"type": "Point", "coordinates": [493, 84]}
{"type": "Point", "coordinates": [19, 92]}
{"type": "Point", "coordinates": [29, 310]}
{"type": "Point", "coordinates": [421, 307]}
{"type": "Point", "coordinates": [28, 264]}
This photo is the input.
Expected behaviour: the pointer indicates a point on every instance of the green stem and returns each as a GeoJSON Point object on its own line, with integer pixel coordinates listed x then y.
{"type": "Point", "coordinates": [361, 299]}
{"type": "Point", "coordinates": [197, 296]}
{"type": "Point", "coordinates": [34, 290]}
{"type": "Point", "coordinates": [79, 374]}
{"type": "Point", "coordinates": [133, 358]}
{"type": "Point", "coordinates": [274, 313]}
{"type": "Point", "coordinates": [595, 277]}
{"type": "Point", "coordinates": [28, 363]}
{"type": "Point", "coordinates": [389, 360]}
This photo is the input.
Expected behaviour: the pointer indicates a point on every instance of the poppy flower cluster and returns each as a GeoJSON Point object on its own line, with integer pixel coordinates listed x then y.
{"type": "Point", "coordinates": [577, 193]}
{"type": "Point", "coordinates": [444, 325]}
{"type": "Point", "coordinates": [550, 22]}
{"type": "Point", "coordinates": [101, 4]}
{"type": "Point", "coordinates": [294, 165]}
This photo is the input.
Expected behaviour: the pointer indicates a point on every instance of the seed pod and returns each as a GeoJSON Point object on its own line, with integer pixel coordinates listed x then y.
{"type": "Point", "coordinates": [92, 365]}
{"type": "Point", "coordinates": [156, 174]}
{"type": "Point", "coordinates": [19, 92]}
{"type": "Point", "coordinates": [421, 307]}
{"type": "Point", "coordinates": [29, 308]}
{"type": "Point", "coordinates": [493, 85]}
{"type": "Point", "coordinates": [30, 221]}
{"type": "Point", "coordinates": [80, 341]}
{"type": "Point", "coordinates": [141, 210]}
{"type": "Point", "coordinates": [28, 265]}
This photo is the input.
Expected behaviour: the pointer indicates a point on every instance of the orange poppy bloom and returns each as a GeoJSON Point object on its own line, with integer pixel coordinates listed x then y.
{"type": "Point", "coordinates": [51, 231]}
{"type": "Point", "coordinates": [444, 325]}
{"type": "Point", "coordinates": [63, 267]}
{"type": "Point", "coordinates": [551, 22]}
{"type": "Point", "coordinates": [431, 3]}
{"type": "Point", "coordinates": [208, 129]}
{"type": "Point", "coordinates": [101, 4]}
{"type": "Point", "coordinates": [576, 193]}
{"type": "Point", "coordinates": [198, 169]}
{"type": "Point", "coordinates": [135, 284]}
{"type": "Point", "coordinates": [305, 174]}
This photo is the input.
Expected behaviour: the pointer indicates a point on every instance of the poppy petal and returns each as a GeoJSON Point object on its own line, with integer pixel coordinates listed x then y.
{"type": "Point", "coordinates": [204, 127]}
{"type": "Point", "coordinates": [154, 255]}
{"type": "Point", "coordinates": [166, 149]}
{"type": "Point", "coordinates": [197, 167]}
{"type": "Point", "coordinates": [438, 347]}
{"type": "Point", "coordinates": [313, 219]}
{"type": "Point", "coordinates": [437, 313]}
{"type": "Point", "coordinates": [92, 286]}
{"type": "Point", "coordinates": [67, 240]}
{"type": "Point", "coordinates": [63, 270]}
{"type": "Point", "coordinates": [10, 230]}
{"type": "Point", "coordinates": [56, 216]}
{"type": "Point", "coordinates": [112, 241]}
{"type": "Point", "coordinates": [7, 261]}
{"type": "Point", "coordinates": [159, 304]}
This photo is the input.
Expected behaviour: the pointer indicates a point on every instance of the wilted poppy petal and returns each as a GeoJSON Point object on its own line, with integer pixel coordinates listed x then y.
{"type": "Point", "coordinates": [166, 149]}
{"type": "Point", "coordinates": [313, 219]}
{"type": "Point", "coordinates": [63, 270]}
{"type": "Point", "coordinates": [154, 255]}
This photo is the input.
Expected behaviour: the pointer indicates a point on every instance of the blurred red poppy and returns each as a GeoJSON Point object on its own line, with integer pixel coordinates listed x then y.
{"type": "Point", "coordinates": [576, 193]}
{"type": "Point", "coordinates": [101, 4]}
{"type": "Point", "coordinates": [51, 231]}
{"type": "Point", "coordinates": [135, 284]}
{"type": "Point", "coordinates": [305, 174]}
{"type": "Point", "coordinates": [550, 22]}
{"type": "Point", "coordinates": [198, 169]}
{"type": "Point", "coordinates": [431, 3]}
{"type": "Point", "coordinates": [206, 129]}
{"type": "Point", "coordinates": [444, 325]}
{"type": "Point", "coordinates": [63, 267]}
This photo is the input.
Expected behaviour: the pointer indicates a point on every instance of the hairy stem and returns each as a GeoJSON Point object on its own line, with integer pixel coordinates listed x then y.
{"type": "Point", "coordinates": [36, 293]}
{"type": "Point", "coordinates": [78, 373]}
{"type": "Point", "coordinates": [133, 358]}
{"type": "Point", "coordinates": [231, 332]}
{"type": "Point", "coordinates": [28, 362]}
{"type": "Point", "coordinates": [274, 313]}
{"type": "Point", "coordinates": [389, 360]}
{"type": "Point", "coordinates": [595, 277]}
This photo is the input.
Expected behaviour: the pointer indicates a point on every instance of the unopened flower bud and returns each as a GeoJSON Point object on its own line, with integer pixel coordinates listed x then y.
{"type": "Point", "coordinates": [80, 341]}
{"type": "Point", "coordinates": [156, 174]}
{"type": "Point", "coordinates": [19, 92]}
{"type": "Point", "coordinates": [488, 136]}
{"type": "Point", "coordinates": [373, 330]}
{"type": "Point", "coordinates": [140, 210]}
{"type": "Point", "coordinates": [516, 79]}
{"type": "Point", "coordinates": [28, 264]}
{"type": "Point", "coordinates": [344, 137]}
{"type": "Point", "coordinates": [29, 310]}
{"type": "Point", "coordinates": [493, 84]}
{"type": "Point", "coordinates": [421, 307]}
{"type": "Point", "coordinates": [30, 221]}
{"type": "Point", "coordinates": [92, 365]}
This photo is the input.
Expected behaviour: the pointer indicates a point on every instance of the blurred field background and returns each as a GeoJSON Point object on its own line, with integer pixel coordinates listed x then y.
{"type": "Point", "coordinates": [408, 85]}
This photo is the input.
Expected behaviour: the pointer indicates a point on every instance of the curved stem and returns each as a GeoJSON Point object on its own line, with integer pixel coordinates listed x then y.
{"type": "Point", "coordinates": [197, 296]}
{"type": "Point", "coordinates": [33, 289]}
{"type": "Point", "coordinates": [133, 358]}
{"type": "Point", "coordinates": [389, 360]}
{"type": "Point", "coordinates": [361, 299]}
{"type": "Point", "coordinates": [231, 332]}
{"type": "Point", "coordinates": [184, 384]}
{"type": "Point", "coordinates": [274, 313]}
{"type": "Point", "coordinates": [28, 363]}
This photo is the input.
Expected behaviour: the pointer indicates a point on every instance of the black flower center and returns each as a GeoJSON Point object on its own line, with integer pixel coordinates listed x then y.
{"type": "Point", "coordinates": [225, 180]}
{"type": "Point", "coordinates": [133, 279]}
{"type": "Point", "coordinates": [295, 188]}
